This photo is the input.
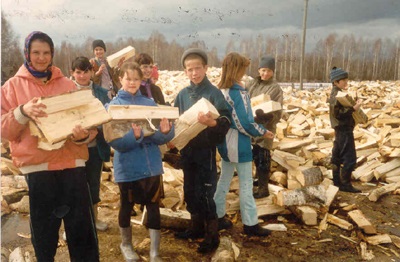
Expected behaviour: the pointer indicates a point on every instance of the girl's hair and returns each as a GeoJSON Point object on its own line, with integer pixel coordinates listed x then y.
{"type": "Point", "coordinates": [144, 59]}
{"type": "Point", "coordinates": [233, 69]}
{"type": "Point", "coordinates": [130, 66]}
{"type": "Point", "coordinates": [81, 63]}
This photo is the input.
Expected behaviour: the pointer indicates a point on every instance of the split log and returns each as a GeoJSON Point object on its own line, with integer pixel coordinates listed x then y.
{"type": "Point", "coordinates": [379, 239]}
{"type": "Point", "coordinates": [339, 222]}
{"type": "Point", "coordinates": [378, 192]}
{"type": "Point", "coordinates": [347, 101]}
{"type": "Point", "coordinates": [395, 240]}
{"type": "Point", "coordinates": [267, 107]}
{"type": "Point", "coordinates": [224, 252]}
{"type": "Point", "coordinates": [287, 160]}
{"type": "Point", "coordinates": [66, 111]}
{"type": "Point", "coordinates": [127, 52]}
{"type": "Point", "coordinates": [179, 219]}
{"type": "Point", "coordinates": [187, 127]}
{"type": "Point", "coordinates": [365, 253]}
{"type": "Point", "coordinates": [366, 168]}
{"type": "Point", "coordinates": [290, 144]}
{"type": "Point", "coordinates": [385, 168]}
{"type": "Point", "coordinates": [362, 222]}
{"type": "Point", "coordinates": [331, 192]}
{"type": "Point", "coordinates": [306, 214]}
{"type": "Point", "coordinates": [275, 227]}
{"type": "Point", "coordinates": [312, 195]}
{"type": "Point", "coordinates": [8, 167]}
{"type": "Point", "coordinates": [145, 116]}
{"type": "Point", "coordinates": [309, 176]}
{"type": "Point", "coordinates": [259, 99]}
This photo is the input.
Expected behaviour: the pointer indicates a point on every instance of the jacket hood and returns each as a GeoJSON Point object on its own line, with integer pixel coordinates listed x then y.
{"type": "Point", "coordinates": [24, 73]}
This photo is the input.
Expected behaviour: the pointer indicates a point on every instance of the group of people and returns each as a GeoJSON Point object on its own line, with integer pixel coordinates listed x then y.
{"type": "Point", "coordinates": [64, 183]}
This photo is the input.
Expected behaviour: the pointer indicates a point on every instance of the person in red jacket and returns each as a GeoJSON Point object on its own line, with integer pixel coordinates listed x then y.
{"type": "Point", "coordinates": [56, 178]}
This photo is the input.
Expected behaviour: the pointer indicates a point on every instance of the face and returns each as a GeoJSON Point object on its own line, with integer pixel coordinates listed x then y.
{"type": "Point", "coordinates": [40, 55]}
{"type": "Point", "coordinates": [265, 73]}
{"type": "Point", "coordinates": [195, 70]}
{"type": "Point", "coordinates": [147, 70]}
{"type": "Point", "coordinates": [99, 52]}
{"type": "Point", "coordinates": [82, 77]}
{"type": "Point", "coordinates": [342, 83]}
{"type": "Point", "coordinates": [131, 81]}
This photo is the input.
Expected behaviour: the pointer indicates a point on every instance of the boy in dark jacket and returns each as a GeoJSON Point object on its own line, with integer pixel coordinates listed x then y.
{"type": "Point", "coordinates": [198, 156]}
{"type": "Point", "coordinates": [343, 152]}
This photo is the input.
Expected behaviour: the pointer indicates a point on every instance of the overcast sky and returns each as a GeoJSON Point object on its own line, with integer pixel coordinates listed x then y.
{"type": "Point", "coordinates": [213, 21]}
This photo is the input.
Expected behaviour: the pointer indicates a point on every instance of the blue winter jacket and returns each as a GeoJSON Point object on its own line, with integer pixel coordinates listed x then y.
{"type": "Point", "coordinates": [135, 159]}
{"type": "Point", "coordinates": [237, 144]}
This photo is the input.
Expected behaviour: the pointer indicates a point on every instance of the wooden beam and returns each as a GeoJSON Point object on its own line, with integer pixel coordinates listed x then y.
{"type": "Point", "coordinates": [66, 111]}
{"type": "Point", "coordinates": [127, 52]}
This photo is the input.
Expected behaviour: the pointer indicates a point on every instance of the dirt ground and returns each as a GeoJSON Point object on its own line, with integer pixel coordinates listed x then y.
{"type": "Point", "coordinates": [298, 243]}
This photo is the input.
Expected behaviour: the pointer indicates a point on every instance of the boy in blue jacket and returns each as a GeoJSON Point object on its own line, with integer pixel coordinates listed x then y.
{"type": "Point", "coordinates": [198, 156]}
{"type": "Point", "coordinates": [138, 166]}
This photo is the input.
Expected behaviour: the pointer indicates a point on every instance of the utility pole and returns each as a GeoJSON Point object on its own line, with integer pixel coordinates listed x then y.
{"type": "Point", "coordinates": [303, 44]}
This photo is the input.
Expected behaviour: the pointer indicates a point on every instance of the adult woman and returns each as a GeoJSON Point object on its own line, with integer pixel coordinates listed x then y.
{"type": "Point", "coordinates": [56, 178]}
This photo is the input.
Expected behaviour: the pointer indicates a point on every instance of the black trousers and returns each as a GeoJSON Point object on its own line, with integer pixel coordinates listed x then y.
{"type": "Point", "coordinates": [262, 158]}
{"type": "Point", "coordinates": [344, 150]}
{"type": "Point", "coordinates": [62, 195]}
{"type": "Point", "coordinates": [200, 181]}
{"type": "Point", "coordinates": [93, 170]}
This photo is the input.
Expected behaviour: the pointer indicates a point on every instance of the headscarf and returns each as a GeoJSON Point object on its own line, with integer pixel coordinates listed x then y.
{"type": "Point", "coordinates": [28, 40]}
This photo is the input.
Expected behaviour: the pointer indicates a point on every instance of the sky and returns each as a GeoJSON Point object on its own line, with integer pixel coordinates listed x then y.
{"type": "Point", "coordinates": [214, 22]}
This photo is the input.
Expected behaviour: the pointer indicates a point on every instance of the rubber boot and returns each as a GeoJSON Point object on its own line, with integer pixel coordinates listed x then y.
{"type": "Point", "coordinates": [263, 179]}
{"type": "Point", "coordinates": [196, 229]}
{"type": "Point", "coordinates": [224, 223]}
{"type": "Point", "coordinates": [211, 241]}
{"type": "Point", "coordinates": [155, 237]}
{"type": "Point", "coordinates": [336, 175]}
{"type": "Point", "coordinates": [346, 185]}
{"type": "Point", "coordinates": [100, 225]}
{"type": "Point", "coordinates": [256, 230]}
{"type": "Point", "coordinates": [126, 245]}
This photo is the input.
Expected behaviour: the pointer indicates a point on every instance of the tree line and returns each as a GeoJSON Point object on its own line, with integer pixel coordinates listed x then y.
{"type": "Point", "coordinates": [364, 59]}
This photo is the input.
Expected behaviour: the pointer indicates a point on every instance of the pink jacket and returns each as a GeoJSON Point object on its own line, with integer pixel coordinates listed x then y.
{"type": "Point", "coordinates": [25, 153]}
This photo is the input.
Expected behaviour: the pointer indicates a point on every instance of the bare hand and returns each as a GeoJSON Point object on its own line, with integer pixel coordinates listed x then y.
{"type": "Point", "coordinates": [269, 135]}
{"type": "Point", "coordinates": [121, 61]}
{"type": "Point", "coordinates": [34, 109]}
{"type": "Point", "coordinates": [206, 119]}
{"type": "Point", "coordinates": [92, 134]}
{"type": "Point", "coordinates": [357, 105]}
{"type": "Point", "coordinates": [137, 130]}
{"type": "Point", "coordinates": [79, 133]}
{"type": "Point", "coordinates": [170, 145]}
{"type": "Point", "coordinates": [101, 68]}
{"type": "Point", "coordinates": [165, 126]}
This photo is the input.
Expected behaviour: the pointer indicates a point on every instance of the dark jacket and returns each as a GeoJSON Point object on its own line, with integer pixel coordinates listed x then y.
{"type": "Point", "coordinates": [156, 93]}
{"type": "Point", "coordinates": [187, 97]}
{"type": "Point", "coordinates": [269, 87]}
{"type": "Point", "coordinates": [340, 116]}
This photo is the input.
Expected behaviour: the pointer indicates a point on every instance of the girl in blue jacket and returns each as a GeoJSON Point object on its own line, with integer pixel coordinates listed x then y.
{"type": "Point", "coordinates": [138, 165]}
{"type": "Point", "coordinates": [236, 151]}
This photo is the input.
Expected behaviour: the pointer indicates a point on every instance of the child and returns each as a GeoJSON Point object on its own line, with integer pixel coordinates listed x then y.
{"type": "Point", "coordinates": [343, 152]}
{"type": "Point", "coordinates": [147, 87]}
{"type": "Point", "coordinates": [265, 84]}
{"type": "Point", "coordinates": [236, 149]}
{"type": "Point", "coordinates": [99, 150]}
{"type": "Point", "coordinates": [198, 156]}
{"type": "Point", "coordinates": [104, 75]}
{"type": "Point", "coordinates": [138, 166]}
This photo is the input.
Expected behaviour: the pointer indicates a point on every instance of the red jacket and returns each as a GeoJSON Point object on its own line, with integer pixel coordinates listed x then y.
{"type": "Point", "coordinates": [25, 153]}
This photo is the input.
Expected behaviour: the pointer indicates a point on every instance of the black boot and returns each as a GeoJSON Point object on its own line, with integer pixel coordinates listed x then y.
{"type": "Point", "coordinates": [256, 230]}
{"type": "Point", "coordinates": [346, 185]}
{"type": "Point", "coordinates": [211, 241]}
{"type": "Point", "coordinates": [224, 223]}
{"type": "Point", "coordinates": [263, 179]}
{"type": "Point", "coordinates": [195, 231]}
{"type": "Point", "coordinates": [336, 175]}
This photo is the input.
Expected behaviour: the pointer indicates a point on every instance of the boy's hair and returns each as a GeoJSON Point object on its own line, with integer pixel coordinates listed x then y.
{"type": "Point", "coordinates": [130, 66]}
{"type": "Point", "coordinates": [234, 67]}
{"type": "Point", "coordinates": [338, 74]}
{"type": "Point", "coordinates": [81, 63]}
{"type": "Point", "coordinates": [194, 53]}
{"type": "Point", "coordinates": [144, 59]}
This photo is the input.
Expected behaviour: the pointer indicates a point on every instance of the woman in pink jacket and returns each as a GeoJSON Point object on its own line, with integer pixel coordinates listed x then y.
{"type": "Point", "coordinates": [56, 178]}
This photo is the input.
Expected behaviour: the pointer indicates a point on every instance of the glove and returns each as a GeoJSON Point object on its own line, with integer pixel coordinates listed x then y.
{"type": "Point", "coordinates": [261, 117]}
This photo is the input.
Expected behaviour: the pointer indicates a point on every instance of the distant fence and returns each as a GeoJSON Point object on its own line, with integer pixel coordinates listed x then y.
{"type": "Point", "coordinates": [306, 85]}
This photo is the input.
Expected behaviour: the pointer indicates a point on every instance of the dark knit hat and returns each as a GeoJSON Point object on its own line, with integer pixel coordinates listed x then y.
{"type": "Point", "coordinates": [267, 62]}
{"type": "Point", "coordinates": [100, 43]}
{"type": "Point", "coordinates": [338, 74]}
{"type": "Point", "coordinates": [195, 51]}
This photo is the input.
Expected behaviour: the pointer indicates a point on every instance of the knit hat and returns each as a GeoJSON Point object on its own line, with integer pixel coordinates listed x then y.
{"type": "Point", "coordinates": [267, 62]}
{"type": "Point", "coordinates": [338, 74]}
{"type": "Point", "coordinates": [99, 43]}
{"type": "Point", "coordinates": [196, 51]}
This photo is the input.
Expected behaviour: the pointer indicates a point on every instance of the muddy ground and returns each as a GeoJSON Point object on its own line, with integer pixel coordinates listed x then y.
{"type": "Point", "coordinates": [298, 243]}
